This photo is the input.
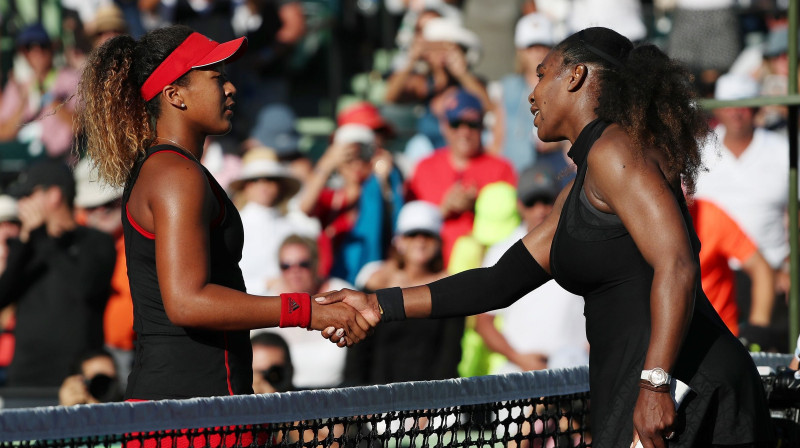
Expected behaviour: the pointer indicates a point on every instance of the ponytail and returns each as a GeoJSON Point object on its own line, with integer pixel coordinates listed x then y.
{"type": "Point", "coordinates": [112, 116]}
{"type": "Point", "coordinates": [645, 92]}
{"type": "Point", "coordinates": [115, 122]}
{"type": "Point", "coordinates": [653, 99]}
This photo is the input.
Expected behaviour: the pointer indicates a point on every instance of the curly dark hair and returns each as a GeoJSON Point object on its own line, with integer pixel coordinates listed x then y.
{"type": "Point", "coordinates": [117, 124]}
{"type": "Point", "coordinates": [649, 95]}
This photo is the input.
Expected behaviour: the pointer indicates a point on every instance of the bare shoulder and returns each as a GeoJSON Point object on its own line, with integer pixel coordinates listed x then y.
{"type": "Point", "coordinates": [614, 151]}
{"type": "Point", "coordinates": [615, 158]}
{"type": "Point", "coordinates": [169, 175]}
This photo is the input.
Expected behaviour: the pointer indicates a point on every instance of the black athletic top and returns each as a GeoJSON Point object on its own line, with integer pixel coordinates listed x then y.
{"type": "Point", "coordinates": [178, 362]}
{"type": "Point", "coordinates": [593, 255]}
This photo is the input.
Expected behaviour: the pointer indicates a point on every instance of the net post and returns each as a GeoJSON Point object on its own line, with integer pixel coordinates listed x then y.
{"type": "Point", "coordinates": [794, 258]}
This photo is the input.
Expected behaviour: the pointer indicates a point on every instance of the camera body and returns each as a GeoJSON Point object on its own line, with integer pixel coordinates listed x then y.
{"type": "Point", "coordinates": [104, 388]}
{"type": "Point", "coordinates": [782, 387]}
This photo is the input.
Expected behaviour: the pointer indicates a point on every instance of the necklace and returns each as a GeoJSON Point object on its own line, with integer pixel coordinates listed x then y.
{"type": "Point", "coordinates": [179, 146]}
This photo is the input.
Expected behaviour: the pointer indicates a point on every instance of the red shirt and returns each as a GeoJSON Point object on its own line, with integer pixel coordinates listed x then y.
{"type": "Point", "coordinates": [721, 240]}
{"type": "Point", "coordinates": [434, 176]}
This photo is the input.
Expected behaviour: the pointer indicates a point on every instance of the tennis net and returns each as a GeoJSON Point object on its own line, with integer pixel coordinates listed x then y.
{"type": "Point", "coordinates": [547, 408]}
{"type": "Point", "coordinates": [544, 408]}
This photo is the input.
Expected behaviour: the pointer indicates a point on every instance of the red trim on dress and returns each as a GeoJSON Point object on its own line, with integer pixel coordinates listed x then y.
{"type": "Point", "coordinates": [227, 365]}
{"type": "Point", "coordinates": [140, 229]}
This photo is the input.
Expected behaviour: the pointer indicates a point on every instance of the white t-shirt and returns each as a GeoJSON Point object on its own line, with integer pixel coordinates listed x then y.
{"type": "Point", "coordinates": [264, 230]}
{"type": "Point", "coordinates": [317, 362]}
{"type": "Point", "coordinates": [548, 320]}
{"type": "Point", "coordinates": [753, 188]}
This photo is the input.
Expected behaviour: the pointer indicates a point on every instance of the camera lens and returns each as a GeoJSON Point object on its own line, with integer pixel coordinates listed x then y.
{"type": "Point", "coordinates": [101, 387]}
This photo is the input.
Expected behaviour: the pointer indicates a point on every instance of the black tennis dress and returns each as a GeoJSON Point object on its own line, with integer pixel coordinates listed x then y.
{"type": "Point", "coordinates": [593, 255]}
{"type": "Point", "coordinates": [176, 362]}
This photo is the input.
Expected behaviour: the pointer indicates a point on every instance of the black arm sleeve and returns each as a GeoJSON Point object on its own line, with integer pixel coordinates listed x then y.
{"type": "Point", "coordinates": [483, 289]}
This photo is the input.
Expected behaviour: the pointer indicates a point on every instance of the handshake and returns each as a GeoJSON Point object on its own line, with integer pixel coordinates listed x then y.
{"type": "Point", "coordinates": [344, 317]}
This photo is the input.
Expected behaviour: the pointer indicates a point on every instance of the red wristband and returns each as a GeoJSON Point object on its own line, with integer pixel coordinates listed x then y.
{"type": "Point", "coordinates": [295, 310]}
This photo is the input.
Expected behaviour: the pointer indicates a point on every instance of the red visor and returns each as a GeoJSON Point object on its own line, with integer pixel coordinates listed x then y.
{"type": "Point", "coordinates": [195, 52]}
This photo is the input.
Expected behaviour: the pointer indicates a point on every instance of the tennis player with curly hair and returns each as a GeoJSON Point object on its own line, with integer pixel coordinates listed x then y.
{"type": "Point", "coordinates": [146, 108]}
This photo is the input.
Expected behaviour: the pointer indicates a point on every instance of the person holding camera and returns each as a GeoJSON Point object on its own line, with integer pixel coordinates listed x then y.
{"type": "Point", "coordinates": [452, 176]}
{"type": "Point", "coordinates": [272, 363]}
{"type": "Point", "coordinates": [96, 381]}
{"type": "Point", "coordinates": [356, 192]}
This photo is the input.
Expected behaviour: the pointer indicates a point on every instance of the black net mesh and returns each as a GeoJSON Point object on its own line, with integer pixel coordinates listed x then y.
{"type": "Point", "coordinates": [560, 421]}
{"type": "Point", "coordinates": [533, 409]}
{"type": "Point", "coordinates": [540, 409]}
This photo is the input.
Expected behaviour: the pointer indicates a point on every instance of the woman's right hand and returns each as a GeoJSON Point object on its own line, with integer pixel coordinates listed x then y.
{"type": "Point", "coordinates": [350, 326]}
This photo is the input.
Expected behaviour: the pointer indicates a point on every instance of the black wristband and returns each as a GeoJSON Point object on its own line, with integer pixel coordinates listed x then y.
{"type": "Point", "coordinates": [390, 300]}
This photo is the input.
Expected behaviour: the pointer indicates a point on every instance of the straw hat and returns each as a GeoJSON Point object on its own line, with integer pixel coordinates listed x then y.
{"type": "Point", "coordinates": [259, 163]}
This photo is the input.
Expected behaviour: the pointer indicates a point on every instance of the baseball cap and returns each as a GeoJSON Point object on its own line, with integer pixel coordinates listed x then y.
{"type": "Point", "coordinates": [537, 181]}
{"type": "Point", "coordinates": [734, 86]}
{"type": "Point", "coordinates": [44, 173]}
{"type": "Point", "coordinates": [364, 113]}
{"type": "Point", "coordinates": [354, 133]}
{"type": "Point", "coordinates": [275, 128]}
{"type": "Point", "coordinates": [533, 29]}
{"type": "Point", "coordinates": [196, 51]}
{"type": "Point", "coordinates": [8, 208]}
{"type": "Point", "coordinates": [419, 216]}
{"type": "Point", "coordinates": [462, 105]}
{"type": "Point", "coordinates": [495, 213]}
{"type": "Point", "coordinates": [33, 34]}
{"type": "Point", "coordinates": [90, 192]}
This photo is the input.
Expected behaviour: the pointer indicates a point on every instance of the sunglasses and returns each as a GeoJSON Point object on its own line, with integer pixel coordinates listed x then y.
{"type": "Point", "coordinates": [305, 264]}
{"type": "Point", "coordinates": [528, 203]}
{"type": "Point", "coordinates": [470, 124]}
{"type": "Point", "coordinates": [31, 46]}
{"type": "Point", "coordinates": [416, 233]}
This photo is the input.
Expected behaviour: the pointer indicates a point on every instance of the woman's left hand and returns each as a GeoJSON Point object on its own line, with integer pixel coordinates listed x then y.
{"type": "Point", "coordinates": [653, 419]}
{"type": "Point", "coordinates": [350, 324]}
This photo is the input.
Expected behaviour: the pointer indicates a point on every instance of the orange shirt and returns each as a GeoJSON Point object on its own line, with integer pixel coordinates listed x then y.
{"type": "Point", "coordinates": [721, 239]}
{"type": "Point", "coordinates": [118, 318]}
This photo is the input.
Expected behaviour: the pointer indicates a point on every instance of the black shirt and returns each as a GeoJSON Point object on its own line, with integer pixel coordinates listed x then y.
{"type": "Point", "coordinates": [60, 286]}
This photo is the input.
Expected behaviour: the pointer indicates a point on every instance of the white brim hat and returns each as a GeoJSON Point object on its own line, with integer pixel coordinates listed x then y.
{"type": "Point", "coordinates": [268, 169]}
{"type": "Point", "coordinates": [90, 191]}
{"type": "Point", "coordinates": [734, 86]}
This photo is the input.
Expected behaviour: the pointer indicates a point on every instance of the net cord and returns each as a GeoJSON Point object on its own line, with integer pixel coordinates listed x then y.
{"type": "Point", "coordinates": [57, 422]}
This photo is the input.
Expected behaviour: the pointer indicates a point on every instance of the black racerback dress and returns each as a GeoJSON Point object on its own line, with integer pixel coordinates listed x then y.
{"type": "Point", "coordinates": [593, 255]}
{"type": "Point", "coordinates": [172, 362]}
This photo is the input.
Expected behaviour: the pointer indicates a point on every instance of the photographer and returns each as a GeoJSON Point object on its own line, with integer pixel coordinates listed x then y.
{"type": "Point", "coordinates": [272, 364]}
{"type": "Point", "coordinates": [96, 381]}
{"type": "Point", "coordinates": [359, 207]}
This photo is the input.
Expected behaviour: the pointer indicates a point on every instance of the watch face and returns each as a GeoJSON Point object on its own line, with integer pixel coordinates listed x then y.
{"type": "Point", "coordinates": [658, 377]}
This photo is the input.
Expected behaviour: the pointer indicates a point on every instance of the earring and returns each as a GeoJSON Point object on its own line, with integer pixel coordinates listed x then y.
{"type": "Point", "coordinates": [183, 106]}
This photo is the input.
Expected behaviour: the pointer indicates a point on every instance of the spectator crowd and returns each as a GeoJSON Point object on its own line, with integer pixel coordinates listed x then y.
{"type": "Point", "coordinates": [423, 164]}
